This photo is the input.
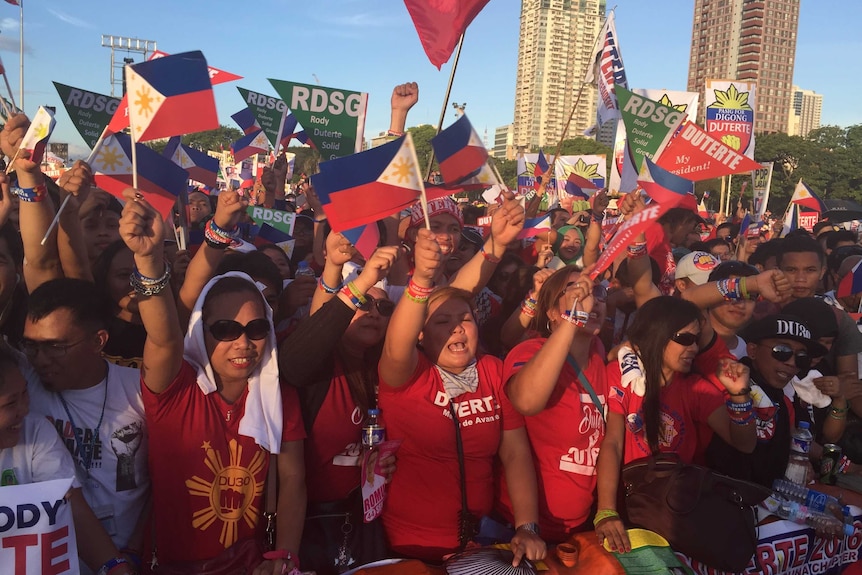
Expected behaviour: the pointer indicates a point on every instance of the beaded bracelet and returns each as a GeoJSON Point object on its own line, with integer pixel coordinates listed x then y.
{"type": "Point", "coordinates": [394, 134]}
{"type": "Point", "coordinates": [330, 290]}
{"type": "Point", "coordinates": [603, 514]}
{"type": "Point", "coordinates": [356, 297]}
{"type": "Point", "coordinates": [636, 250]}
{"type": "Point", "coordinates": [32, 195]}
{"type": "Point", "coordinates": [490, 257]}
{"type": "Point", "coordinates": [729, 289]}
{"type": "Point", "coordinates": [149, 286]}
{"type": "Point", "coordinates": [578, 319]}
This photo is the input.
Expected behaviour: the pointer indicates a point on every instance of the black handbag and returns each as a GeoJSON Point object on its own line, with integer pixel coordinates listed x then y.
{"type": "Point", "coordinates": [705, 515]}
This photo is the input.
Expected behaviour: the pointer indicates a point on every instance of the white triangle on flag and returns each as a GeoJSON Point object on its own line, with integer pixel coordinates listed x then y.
{"type": "Point", "coordinates": [109, 158]}
{"type": "Point", "coordinates": [144, 102]}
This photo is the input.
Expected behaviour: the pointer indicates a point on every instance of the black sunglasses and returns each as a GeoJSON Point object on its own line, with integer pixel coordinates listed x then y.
{"type": "Point", "coordinates": [684, 338]}
{"type": "Point", "coordinates": [229, 330]}
{"type": "Point", "coordinates": [600, 292]}
{"type": "Point", "coordinates": [782, 353]}
{"type": "Point", "coordinates": [384, 306]}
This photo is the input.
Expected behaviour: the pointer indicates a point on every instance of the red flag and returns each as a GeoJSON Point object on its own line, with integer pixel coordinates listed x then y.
{"type": "Point", "coordinates": [13, 2]}
{"type": "Point", "coordinates": [697, 156]}
{"type": "Point", "coordinates": [441, 23]}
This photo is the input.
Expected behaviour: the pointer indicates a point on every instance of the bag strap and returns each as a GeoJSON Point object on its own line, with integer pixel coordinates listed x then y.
{"type": "Point", "coordinates": [270, 502]}
{"type": "Point", "coordinates": [459, 445]}
{"type": "Point", "coordinates": [586, 383]}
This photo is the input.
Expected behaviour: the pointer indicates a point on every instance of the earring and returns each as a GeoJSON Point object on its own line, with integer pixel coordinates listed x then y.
{"type": "Point", "coordinates": [548, 326]}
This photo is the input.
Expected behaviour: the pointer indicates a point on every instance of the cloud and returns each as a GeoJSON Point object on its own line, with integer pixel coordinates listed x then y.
{"type": "Point", "coordinates": [8, 24]}
{"type": "Point", "coordinates": [364, 20]}
{"type": "Point", "coordinates": [68, 19]}
{"type": "Point", "coordinates": [12, 44]}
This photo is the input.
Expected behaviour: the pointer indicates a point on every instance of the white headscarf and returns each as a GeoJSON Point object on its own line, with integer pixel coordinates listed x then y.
{"type": "Point", "coordinates": [263, 418]}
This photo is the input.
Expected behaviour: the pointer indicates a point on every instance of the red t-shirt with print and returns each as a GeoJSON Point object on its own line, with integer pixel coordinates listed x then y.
{"type": "Point", "coordinates": [565, 438]}
{"type": "Point", "coordinates": [686, 404]}
{"type": "Point", "coordinates": [208, 480]}
{"type": "Point", "coordinates": [333, 449]}
{"type": "Point", "coordinates": [422, 508]}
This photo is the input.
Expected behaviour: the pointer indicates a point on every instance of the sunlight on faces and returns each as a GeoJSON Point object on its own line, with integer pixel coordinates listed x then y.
{"type": "Point", "coordinates": [597, 314]}
{"type": "Point", "coordinates": [367, 328]}
{"type": "Point", "coordinates": [571, 245]}
{"type": "Point", "coordinates": [234, 360]}
{"type": "Point", "coordinates": [447, 230]}
{"type": "Point", "coordinates": [14, 403]}
{"type": "Point", "coordinates": [804, 271]}
{"type": "Point", "coordinates": [679, 358]}
{"type": "Point", "coordinates": [776, 373]}
{"type": "Point", "coordinates": [450, 337]}
{"type": "Point", "coordinates": [199, 207]}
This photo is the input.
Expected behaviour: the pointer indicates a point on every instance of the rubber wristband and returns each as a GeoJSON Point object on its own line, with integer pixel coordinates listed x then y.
{"type": "Point", "coordinates": [490, 257]}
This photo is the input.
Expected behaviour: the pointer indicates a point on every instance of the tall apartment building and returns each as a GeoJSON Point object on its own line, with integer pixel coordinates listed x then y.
{"type": "Point", "coordinates": [504, 143]}
{"type": "Point", "coordinates": [554, 50]}
{"type": "Point", "coordinates": [805, 108]}
{"type": "Point", "coordinates": [752, 40]}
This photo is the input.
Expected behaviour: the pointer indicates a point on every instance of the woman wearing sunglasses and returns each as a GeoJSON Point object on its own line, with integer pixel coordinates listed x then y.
{"type": "Point", "coordinates": [658, 405]}
{"type": "Point", "coordinates": [449, 409]}
{"type": "Point", "coordinates": [558, 381]}
{"type": "Point", "coordinates": [331, 358]}
{"type": "Point", "coordinates": [216, 415]}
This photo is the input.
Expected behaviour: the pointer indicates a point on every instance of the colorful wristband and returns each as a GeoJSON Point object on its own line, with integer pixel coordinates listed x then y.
{"type": "Point", "coordinates": [330, 290]}
{"type": "Point", "coordinates": [490, 257]}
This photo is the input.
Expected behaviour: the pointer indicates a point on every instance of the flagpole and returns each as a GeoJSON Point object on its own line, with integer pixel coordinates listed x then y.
{"type": "Point", "coordinates": [21, 60]}
{"type": "Point", "coordinates": [443, 111]}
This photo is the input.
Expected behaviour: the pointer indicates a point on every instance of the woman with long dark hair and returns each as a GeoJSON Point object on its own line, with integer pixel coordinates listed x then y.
{"type": "Point", "coordinates": [658, 405]}
{"type": "Point", "coordinates": [557, 380]}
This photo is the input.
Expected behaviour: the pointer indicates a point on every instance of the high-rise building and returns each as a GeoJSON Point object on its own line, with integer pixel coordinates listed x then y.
{"type": "Point", "coordinates": [554, 50]}
{"type": "Point", "coordinates": [805, 108]}
{"type": "Point", "coordinates": [752, 40]}
{"type": "Point", "coordinates": [504, 143]}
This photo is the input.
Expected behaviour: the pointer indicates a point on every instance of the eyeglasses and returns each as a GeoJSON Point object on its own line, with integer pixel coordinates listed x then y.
{"type": "Point", "coordinates": [782, 353]}
{"type": "Point", "coordinates": [600, 292]}
{"type": "Point", "coordinates": [229, 330]}
{"type": "Point", "coordinates": [52, 350]}
{"type": "Point", "coordinates": [384, 306]}
{"type": "Point", "coordinates": [685, 338]}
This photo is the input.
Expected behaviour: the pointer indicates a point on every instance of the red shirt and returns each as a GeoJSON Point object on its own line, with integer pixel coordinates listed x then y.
{"type": "Point", "coordinates": [208, 480]}
{"type": "Point", "coordinates": [661, 251]}
{"type": "Point", "coordinates": [424, 501]}
{"type": "Point", "coordinates": [333, 448]}
{"type": "Point", "coordinates": [686, 403]}
{"type": "Point", "coordinates": [565, 438]}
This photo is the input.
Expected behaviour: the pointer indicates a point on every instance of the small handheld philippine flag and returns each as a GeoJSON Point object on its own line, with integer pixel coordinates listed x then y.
{"type": "Point", "coordinates": [246, 121]}
{"type": "Point", "coordinates": [36, 138]}
{"type": "Point", "coordinates": [247, 146]}
{"type": "Point", "coordinates": [459, 151]}
{"type": "Point", "coordinates": [200, 166]}
{"type": "Point", "coordinates": [170, 96]}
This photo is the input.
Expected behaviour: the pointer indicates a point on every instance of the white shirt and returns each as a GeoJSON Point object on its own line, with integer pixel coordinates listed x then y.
{"type": "Point", "coordinates": [38, 456]}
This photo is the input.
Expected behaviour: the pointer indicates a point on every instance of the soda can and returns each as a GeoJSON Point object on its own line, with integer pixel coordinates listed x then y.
{"type": "Point", "coordinates": [829, 464]}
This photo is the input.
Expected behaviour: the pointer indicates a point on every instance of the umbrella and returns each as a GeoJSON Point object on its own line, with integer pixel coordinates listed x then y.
{"type": "Point", "coordinates": [841, 211]}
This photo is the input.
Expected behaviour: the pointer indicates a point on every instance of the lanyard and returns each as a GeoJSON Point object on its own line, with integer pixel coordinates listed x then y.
{"type": "Point", "coordinates": [586, 384]}
{"type": "Point", "coordinates": [86, 455]}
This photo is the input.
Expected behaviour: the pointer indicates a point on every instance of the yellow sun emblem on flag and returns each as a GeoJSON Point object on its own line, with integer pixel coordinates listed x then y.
{"type": "Point", "coordinates": [581, 168]}
{"type": "Point", "coordinates": [400, 170]}
{"type": "Point", "coordinates": [229, 496]}
{"type": "Point", "coordinates": [145, 101]}
{"type": "Point", "coordinates": [109, 159]}
{"type": "Point", "coordinates": [731, 99]}
{"type": "Point", "coordinates": [42, 132]}
{"type": "Point", "coordinates": [666, 101]}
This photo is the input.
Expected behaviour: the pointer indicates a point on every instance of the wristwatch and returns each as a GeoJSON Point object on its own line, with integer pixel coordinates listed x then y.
{"type": "Point", "coordinates": [529, 527]}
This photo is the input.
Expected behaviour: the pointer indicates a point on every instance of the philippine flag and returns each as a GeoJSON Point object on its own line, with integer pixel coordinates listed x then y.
{"type": "Point", "coordinates": [200, 166]}
{"type": "Point", "coordinates": [36, 138]}
{"type": "Point", "coordinates": [270, 234]}
{"type": "Point", "coordinates": [576, 184]}
{"type": "Point", "coordinates": [362, 188]}
{"type": "Point", "coordinates": [247, 146]}
{"type": "Point", "coordinates": [159, 179]}
{"type": "Point", "coordinates": [459, 151]}
{"type": "Point", "coordinates": [540, 169]}
{"type": "Point", "coordinates": [665, 187]}
{"type": "Point", "coordinates": [364, 238]}
{"type": "Point", "coordinates": [246, 121]}
{"type": "Point", "coordinates": [851, 283]}
{"type": "Point", "coordinates": [170, 96]}
{"type": "Point", "coordinates": [535, 226]}
{"type": "Point", "coordinates": [803, 196]}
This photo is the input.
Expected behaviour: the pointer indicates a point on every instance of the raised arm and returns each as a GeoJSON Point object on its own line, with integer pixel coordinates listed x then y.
{"type": "Point", "coordinates": [71, 247]}
{"type": "Point", "coordinates": [203, 265]}
{"type": "Point", "coordinates": [506, 223]}
{"type": "Point", "coordinates": [771, 284]}
{"type": "Point", "coordinates": [142, 229]}
{"type": "Point", "coordinates": [593, 239]}
{"type": "Point", "coordinates": [35, 210]}
{"type": "Point", "coordinates": [338, 252]}
{"type": "Point", "coordinates": [518, 323]}
{"type": "Point", "coordinates": [400, 355]}
{"type": "Point", "coordinates": [404, 96]}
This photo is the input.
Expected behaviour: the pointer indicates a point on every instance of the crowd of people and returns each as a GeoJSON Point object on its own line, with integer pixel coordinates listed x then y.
{"type": "Point", "coordinates": [210, 404]}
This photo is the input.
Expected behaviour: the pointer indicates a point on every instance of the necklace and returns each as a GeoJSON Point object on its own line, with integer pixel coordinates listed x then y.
{"type": "Point", "coordinates": [87, 454]}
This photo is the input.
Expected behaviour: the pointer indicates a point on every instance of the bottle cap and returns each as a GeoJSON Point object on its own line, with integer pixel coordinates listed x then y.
{"type": "Point", "coordinates": [848, 529]}
{"type": "Point", "coordinates": [373, 411]}
{"type": "Point", "coordinates": [804, 425]}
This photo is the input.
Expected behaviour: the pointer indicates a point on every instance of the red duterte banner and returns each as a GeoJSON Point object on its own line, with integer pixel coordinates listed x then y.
{"type": "Point", "coordinates": [697, 156]}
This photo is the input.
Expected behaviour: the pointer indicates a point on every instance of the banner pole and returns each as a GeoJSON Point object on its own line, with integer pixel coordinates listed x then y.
{"type": "Point", "coordinates": [445, 104]}
{"type": "Point", "coordinates": [21, 60]}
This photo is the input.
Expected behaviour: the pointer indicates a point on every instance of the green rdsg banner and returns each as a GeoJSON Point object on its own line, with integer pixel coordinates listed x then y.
{"type": "Point", "coordinates": [267, 110]}
{"type": "Point", "coordinates": [90, 112]}
{"type": "Point", "coordinates": [333, 119]}
{"type": "Point", "coordinates": [649, 124]}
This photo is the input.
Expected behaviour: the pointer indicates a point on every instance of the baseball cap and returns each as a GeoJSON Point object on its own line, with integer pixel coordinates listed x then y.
{"type": "Point", "coordinates": [696, 266]}
{"type": "Point", "coordinates": [816, 313]}
{"type": "Point", "coordinates": [782, 326]}
{"type": "Point", "coordinates": [437, 206]}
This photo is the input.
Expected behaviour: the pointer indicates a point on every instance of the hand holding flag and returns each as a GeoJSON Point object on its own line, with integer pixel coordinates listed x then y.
{"type": "Point", "coordinates": [35, 140]}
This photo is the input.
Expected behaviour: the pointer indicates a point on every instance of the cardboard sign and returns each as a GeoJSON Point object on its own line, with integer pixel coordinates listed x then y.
{"type": "Point", "coordinates": [278, 219]}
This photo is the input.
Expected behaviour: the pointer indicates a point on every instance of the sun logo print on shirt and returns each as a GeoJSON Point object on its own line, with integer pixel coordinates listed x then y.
{"type": "Point", "coordinates": [230, 494]}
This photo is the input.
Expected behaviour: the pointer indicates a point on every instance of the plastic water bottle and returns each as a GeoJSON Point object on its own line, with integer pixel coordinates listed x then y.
{"type": "Point", "coordinates": [797, 467]}
{"type": "Point", "coordinates": [823, 523]}
{"type": "Point", "coordinates": [303, 270]}
{"type": "Point", "coordinates": [373, 432]}
{"type": "Point", "coordinates": [814, 500]}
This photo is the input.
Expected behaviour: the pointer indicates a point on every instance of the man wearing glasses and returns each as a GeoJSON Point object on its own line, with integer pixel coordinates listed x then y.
{"type": "Point", "coordinates": [779, 348]}
{"type": "Point", "coordinates": [95, 406]}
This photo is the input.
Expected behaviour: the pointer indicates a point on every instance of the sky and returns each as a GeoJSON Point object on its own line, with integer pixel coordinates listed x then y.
{"type": "Point", "coordinates": [371, 46]}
